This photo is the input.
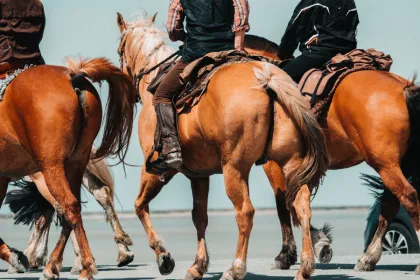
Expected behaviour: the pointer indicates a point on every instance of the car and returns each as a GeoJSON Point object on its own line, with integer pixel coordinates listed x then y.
{"type": "Point", "coordinates": [400, 238]}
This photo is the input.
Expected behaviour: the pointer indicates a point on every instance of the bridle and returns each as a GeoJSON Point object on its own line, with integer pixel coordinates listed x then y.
{"type": "Point", "coordinates": [137, 77]}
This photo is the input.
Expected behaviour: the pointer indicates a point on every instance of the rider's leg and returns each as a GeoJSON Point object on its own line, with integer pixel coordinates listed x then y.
{"type": "Point", "coordinates": [297, 67]}
{"type": "Point", "coordinates": [165, 112]}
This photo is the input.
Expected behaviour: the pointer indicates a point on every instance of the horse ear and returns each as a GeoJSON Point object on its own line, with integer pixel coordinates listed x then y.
{"type": "Point", "coordinates": [121, 23]}
{"type": "Point", "coordinates": [153, 18]}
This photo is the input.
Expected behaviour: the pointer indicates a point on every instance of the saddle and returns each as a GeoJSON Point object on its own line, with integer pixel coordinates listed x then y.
{"type": "Point", "coordinates": [196, 76]}
{"type": "Point", "coordinates": [319, 85]}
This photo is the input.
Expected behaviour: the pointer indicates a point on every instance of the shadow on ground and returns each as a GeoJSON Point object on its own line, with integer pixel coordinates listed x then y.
{"type": "Point", "coordinates": [392, 267]}
{"type": "Point", "coordinates": [251, 276]}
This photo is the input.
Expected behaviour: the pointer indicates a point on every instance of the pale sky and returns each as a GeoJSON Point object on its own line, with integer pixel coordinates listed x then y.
{"type": "Point", "coordinates": [88, 28]}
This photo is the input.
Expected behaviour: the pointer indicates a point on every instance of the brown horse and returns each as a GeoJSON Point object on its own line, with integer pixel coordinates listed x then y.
{"type": "Point", "coordinates": [30, 207]}
{"type": "Point", "coordinates": [369, 121]}
{"type": "Point", "coordinates": [50, 117]}
{"type": "Point", "coordinates": [224, 134]}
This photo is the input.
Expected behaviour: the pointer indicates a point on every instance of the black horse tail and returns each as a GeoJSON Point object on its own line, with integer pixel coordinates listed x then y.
{"type": "Point", "coordinates": [411, 161]}
{"type": "Point", "coordinates": [27, 203]}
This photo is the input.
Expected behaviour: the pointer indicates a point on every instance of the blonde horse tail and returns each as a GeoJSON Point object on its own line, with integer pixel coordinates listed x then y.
{"type": "Point", "coordinates": [119, 116]}
{"type": "Point", "coordinates": [315, 161]}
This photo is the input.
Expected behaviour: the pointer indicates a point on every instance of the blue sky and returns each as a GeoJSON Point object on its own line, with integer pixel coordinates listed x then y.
{"type": "Point", "coordinates": [88, 28]}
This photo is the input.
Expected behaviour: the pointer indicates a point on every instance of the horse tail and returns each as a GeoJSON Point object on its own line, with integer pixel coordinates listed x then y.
{"type": "Point", "coordinates": [102, 173]}
{"type": "Point", "coordinates": [27, 203]}
{"type": "Point", "coordinates": [410, 162]}
{"type": "Point", "coordinates": [315, 162]}
{"type": "Point", "coordinates": [119, 117]}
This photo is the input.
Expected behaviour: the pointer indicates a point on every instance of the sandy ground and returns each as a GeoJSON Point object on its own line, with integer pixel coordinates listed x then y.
{"type": "Point", "coordinates": [180, 239]}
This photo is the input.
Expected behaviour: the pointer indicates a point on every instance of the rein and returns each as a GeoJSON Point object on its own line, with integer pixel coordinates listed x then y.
{"type": "Point", "coordinates": [140, 75]}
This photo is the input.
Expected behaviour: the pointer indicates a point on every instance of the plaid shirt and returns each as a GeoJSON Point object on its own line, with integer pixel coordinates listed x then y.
{"type": "Point", "coordinates": [176, 16]}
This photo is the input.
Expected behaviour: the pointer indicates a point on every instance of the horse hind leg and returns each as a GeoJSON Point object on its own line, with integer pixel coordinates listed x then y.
{"type": "Point", "coordinates": [404, 192]}
{"type": "Point", "coordinates": [37, 249]}
{"type": "Point", "coordinates": [303, 212]}
{"type": "Point", "coordinates": [200, 190]}
{"type": "Point", "coordinates": [389, 209]}
{"type": "Point", "coordinates": [321, 242]}
{"type": "Point", "coordinates": [10, 255]}
{"type": "Point", "coordinates": [103, 195]}
{"type": "Point", "coordinates": [67, 195]}
{"type": "Point", "coordinates": [236, 181]}
{"type": "Point", "coordinates": [288, 254]}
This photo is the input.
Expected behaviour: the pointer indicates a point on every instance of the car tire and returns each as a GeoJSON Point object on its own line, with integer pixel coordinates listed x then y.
{"type": "Point", "coordinates": [398, 240]}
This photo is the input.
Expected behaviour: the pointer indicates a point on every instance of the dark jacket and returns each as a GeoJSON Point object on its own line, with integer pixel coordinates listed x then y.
{"type": "Point", "coordinates": [321, 28]}
{"type": "Point", "coordinates": [209, 27]}
{"type": "Point", "coordinates": [22, 24]}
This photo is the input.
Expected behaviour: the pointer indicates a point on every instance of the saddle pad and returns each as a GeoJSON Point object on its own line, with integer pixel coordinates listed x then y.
{"type": "Point", "coordinates": [319, 85]}
{"type": "Point", "coordinates": [10, 76]}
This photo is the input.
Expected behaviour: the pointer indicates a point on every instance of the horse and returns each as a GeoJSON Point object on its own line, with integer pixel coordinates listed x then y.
{"type": "Point", "coordinates": [50, 116]}
{"type": "Point", "coordinates": [223, 134]}
{"type": "Point", "coordinates": [373, 118]}
{"type": "Point", "coordinates": [30, 207]}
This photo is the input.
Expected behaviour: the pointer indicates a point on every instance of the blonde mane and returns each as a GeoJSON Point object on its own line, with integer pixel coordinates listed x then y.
{"type": "Point", "coordinates": [145, 45]}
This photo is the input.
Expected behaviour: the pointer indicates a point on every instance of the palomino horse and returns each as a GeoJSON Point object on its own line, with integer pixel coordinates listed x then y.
{"type": "Point", "coordinates": [224, 134]}
{"type": "Point", "coordinates": [50, 116]}
{"type": "Point", "coordinates": [30, 207]}
{"type": "Point", "coordinates": [378, 126]}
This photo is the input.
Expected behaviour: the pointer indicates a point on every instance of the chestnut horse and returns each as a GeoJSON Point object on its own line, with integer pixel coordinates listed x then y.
{"type": "Point", "coordinates": [30, 207]}
{"type": "Point", "coordinates": [50, 116]}
{"type": "Point", "coordinates": [373, 118]}
{"type": "Point", "coordinates": [224, 134]}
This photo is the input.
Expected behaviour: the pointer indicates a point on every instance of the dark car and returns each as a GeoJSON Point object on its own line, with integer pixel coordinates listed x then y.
{"type": "Point", "coordinates": [401, 237]}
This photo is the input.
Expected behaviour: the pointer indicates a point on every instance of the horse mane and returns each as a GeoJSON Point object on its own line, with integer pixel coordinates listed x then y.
{"type": "Point", "coordinates": [145, 44]}
{"type": "Point", "coordinates": [260, 44]}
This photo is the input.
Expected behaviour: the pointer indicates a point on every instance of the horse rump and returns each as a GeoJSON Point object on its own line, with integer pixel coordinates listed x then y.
{"type": "Point", "coordinates": [27, 203]}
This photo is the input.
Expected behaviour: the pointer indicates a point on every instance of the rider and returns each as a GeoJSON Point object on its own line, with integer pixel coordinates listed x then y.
{"type": "Point", "coordinates": [211, 26]}
{"type": "Point", "coordinates": [22, 26]}
{"type": "Point", "coordinates": [322, 29]}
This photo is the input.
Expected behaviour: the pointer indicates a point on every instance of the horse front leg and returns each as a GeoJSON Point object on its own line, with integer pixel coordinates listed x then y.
{"type": "Point", "coordinates": [150, 186]}
{"type": "Point", "coordinates": [12, 256]}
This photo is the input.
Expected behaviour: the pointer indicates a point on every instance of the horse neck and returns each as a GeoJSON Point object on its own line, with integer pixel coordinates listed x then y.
{"type": "Point", "coordinates": [160, 55]}
{"type": "Point", "coordinates": [145, 95]}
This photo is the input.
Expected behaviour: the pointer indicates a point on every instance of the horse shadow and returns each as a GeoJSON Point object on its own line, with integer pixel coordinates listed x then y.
{"type": "Point", "coordinates": [252, 276]}
{"type": "Point", "coordinates": [392, 267]}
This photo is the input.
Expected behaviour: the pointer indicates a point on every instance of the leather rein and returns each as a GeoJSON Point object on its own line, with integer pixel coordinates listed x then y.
{"type": "Point", "coordinates": [139, 76]}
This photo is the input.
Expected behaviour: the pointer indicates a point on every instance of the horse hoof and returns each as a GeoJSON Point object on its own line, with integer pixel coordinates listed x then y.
{"type": "Point", "coordinates": [282, 261]}
{"type": "Point", "coordinates": [51, 272]}
{"type": "Point", "coordinates": [166, 264]}
{"type": "Point", "coordinates": [19, 261]}
{"type": "Point", "coordinates": [76, 270]}
{"type": "Point", "coordinates": [417, 271]}
{"type": "Point", "coordinates": [300, 277]}
{"type": "Point", "coordinates": [191, 276]}
{"type": "Point", "coordinates": [228, 276]}
{"type": "Point", "coordinates": [85, 276]}
{"type": "Point", "coordinates": [12, 270]}
{"type": "Point", "coordinates": [325, 255]}
{"type": "Point", "coordinates": [366, 266]}
{"type": "Point", "coordinates": [125, 258]}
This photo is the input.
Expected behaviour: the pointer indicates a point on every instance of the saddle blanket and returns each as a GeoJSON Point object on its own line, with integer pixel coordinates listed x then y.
{"type": "Point", "coordinates": [319, 85]}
